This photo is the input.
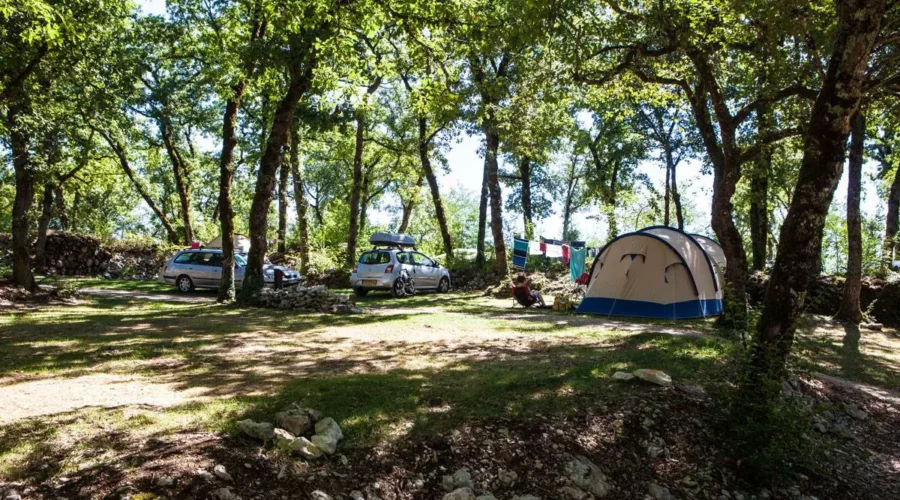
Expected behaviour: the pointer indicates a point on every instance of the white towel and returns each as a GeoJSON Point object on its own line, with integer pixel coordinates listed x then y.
{"type": "Point", "coordinates": [534, 248]}
{"type": "Point", "coordinates": [554, 251]}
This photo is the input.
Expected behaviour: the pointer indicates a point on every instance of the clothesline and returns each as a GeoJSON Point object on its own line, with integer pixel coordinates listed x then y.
{"type": "Point", "coordinates": [572, 253]}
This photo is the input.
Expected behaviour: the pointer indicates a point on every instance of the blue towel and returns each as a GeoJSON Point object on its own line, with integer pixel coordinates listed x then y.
{"type": "Point", "coordinates": [576, 262]}
{"type": "Point", "coordinates": [520, 253]}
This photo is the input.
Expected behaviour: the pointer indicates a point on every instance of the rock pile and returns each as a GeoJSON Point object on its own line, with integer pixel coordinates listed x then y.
{"type": "Point", "coordinates": [135, 261]}
{"type": "Point", "coordinates": [73, 255]}
{"type": "Point", "coordinates": [312, 299]}
{"type": "Point", "coordinates": [300, 430]}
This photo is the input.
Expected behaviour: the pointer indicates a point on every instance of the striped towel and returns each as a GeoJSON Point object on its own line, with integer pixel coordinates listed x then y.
{"type": "Point", "coordinates": [520, 253]}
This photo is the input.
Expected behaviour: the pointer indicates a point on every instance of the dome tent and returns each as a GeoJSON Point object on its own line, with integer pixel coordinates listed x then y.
{"type": "Point", "coordinates": [241, 243]}
{"type": "Point", "coordinates": [657, 272]}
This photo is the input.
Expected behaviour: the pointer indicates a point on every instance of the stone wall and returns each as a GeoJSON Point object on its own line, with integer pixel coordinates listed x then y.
{"type": "Point", "coordinates": [77, 255]}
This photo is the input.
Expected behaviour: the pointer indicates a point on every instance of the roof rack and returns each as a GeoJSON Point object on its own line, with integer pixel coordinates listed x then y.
{"type": "Point", "coordinates": [392, 240]}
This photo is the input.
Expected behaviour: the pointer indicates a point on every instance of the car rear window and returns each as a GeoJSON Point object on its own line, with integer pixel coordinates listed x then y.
{"type": "Point", "coordinates": [184, 258]}
{"type": "Point", "coordinates": [375, 258]}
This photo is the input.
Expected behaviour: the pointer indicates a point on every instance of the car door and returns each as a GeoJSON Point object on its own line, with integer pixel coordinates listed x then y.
{"type": "Point", "coordinates": [425, 270]}
{"type": "Point", "coordinates": [203, 269]}
{"type": "Point", "coordinates": [214, 273]}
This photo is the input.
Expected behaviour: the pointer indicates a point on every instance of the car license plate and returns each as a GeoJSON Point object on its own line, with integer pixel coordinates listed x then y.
{"type": "Point", "coordinates": [370, 282]}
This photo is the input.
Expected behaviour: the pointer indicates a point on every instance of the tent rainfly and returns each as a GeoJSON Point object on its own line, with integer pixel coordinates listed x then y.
{"type": "Point", "coordinates": [657, 272]}
{"type": "Point", "coordinates": [241, 243]}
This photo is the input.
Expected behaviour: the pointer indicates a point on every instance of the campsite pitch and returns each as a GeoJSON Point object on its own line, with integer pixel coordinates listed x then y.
{"type": "Point", "coordinates": [134, 394]}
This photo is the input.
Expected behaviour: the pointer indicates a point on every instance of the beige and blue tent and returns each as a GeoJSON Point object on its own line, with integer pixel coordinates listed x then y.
{"type": "Point", "coordinates": [657, 272]}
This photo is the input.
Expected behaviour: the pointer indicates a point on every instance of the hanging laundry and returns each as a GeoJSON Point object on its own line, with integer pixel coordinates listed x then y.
{"type": "Point", "coordinates": [576, 262]}
{"type": "Point", "coordinates": [520, 253]}
{"type": "Point", "coordinates": [534, 248]}
{"type": "Point", "coordinates": [554, 251]}
{"type": "Point", "coordinates": [543, 247]}
{"type": "Point", "coordinates": [583, 279]}
{"type": "Point", "coordinates": [565, 254]}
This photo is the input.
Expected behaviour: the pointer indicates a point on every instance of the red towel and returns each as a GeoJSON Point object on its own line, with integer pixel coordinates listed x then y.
{"type": "Point", "coordinates": [543, 247]}
{"type": "Point", "coordinates": [566, 254]}
{"type": "Point", "coordinates": [583, 279]}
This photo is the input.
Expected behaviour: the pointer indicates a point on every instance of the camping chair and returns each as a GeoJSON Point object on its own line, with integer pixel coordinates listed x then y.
{"type": "Point", "coordinates": [523, 297]}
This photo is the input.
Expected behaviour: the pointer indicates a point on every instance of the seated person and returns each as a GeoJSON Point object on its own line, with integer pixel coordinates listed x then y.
{"type": "Point", "coordinates": [524, 295]}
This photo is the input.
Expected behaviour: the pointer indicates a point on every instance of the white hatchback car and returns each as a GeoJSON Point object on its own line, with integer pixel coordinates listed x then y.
{"type": "Point", "coordinates": [380, 268]}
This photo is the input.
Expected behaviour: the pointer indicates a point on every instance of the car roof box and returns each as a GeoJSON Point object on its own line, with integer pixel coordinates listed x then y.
{"type": "Point", "coordinates": [392, 240]}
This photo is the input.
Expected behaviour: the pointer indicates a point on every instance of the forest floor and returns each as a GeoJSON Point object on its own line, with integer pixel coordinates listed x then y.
{"type": "Point", "coordinates": [134, 391]}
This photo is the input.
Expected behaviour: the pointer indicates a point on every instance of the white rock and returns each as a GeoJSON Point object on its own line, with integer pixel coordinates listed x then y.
{"type": "Point", "coordinates": [165, 481]}
{"type": "Point", "coordinates": [460, 494]}
{"type": "Point", "coordinates": [262, 430]}
{"type": "Point", "coordinates": [586, 475]}
{"type": "Point", "coordinates": [206, 475]}
{"type": "Point", "coordinates": [325, 442]}
{"type": "Point", "coordinates": [224, 494]}
{"type": "Point", "coordinates": [507, 477]}
{"type": "Point", "coordinates": [319, 495]}
{"type": "Point", "coordinates": [658, 492]}
{"type": "Point", "coordinates": [327, 426]}
{"type": "Point", "coordinates": [221, 473]}
{"type": "Point", "coordinates": [305, 448]}
{"type": "Point", "coordinates": [573, 493]}
{"type": "Point", "coordinates": [357, 495]}
{"type": "Point", "coordinates": [653, 376]}
{"type": "Point", "coordinates": [293, 420]}
{"type": "Point", "coordinates": [623, 376]}
{"type": "Point", "coordinates": [283, 439]}
{"type": "Point", "coordinates": [486, 496]}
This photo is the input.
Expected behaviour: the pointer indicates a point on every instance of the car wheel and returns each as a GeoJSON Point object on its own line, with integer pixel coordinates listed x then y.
{"type": "Point", "coordinates": [444, 285]}
{"type": "Point", "coordinates": [360, 292]}
{"type": "Point", "coordinates": [185, 284]}
{"type": "Point", "coordinates": [397, 289]}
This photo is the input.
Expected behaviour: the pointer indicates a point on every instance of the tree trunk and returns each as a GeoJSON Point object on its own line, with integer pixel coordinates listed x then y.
{"type": "Point", "coordinates": [355, 190]}
{"type": "Point", "coordinates": [669, 162]}
{"type": "Point", "coordinates": [265, 181]}
{"type": "Point", "coordinates": [492, 145]}
{"type": "Point", "coordinates": [61, 212]}
{"type": "Point", "coordinates": [891, 223]}
{"type": "Point", "coordinates": [800, 243]}
{"type": "Point", "coordinates": [850, 308]}
{"type": "Point", "coordinates": [355, 194]}
{"type": "Point", "coordinates": [364, 201]}
{"type": "Point", "coordinates": [40, 248]}
{"type": "Point", "coordinates": [182, 183]}
{"type": "Point", "coordinates": [759, 196]}
{"type": "Point", "coordinates": [300, 199]}
{"type": "Point", "coordinates": [433, 186]}
{"type": "Point", "coordinates": [284, 175]}
{"type": "Point", "coordinates": [527, 216]}
{"type": "Point", "coordinates": [676, 198]}
{"type": "Point", "coordinates": [724, 183]}
{"type": "Point", "coordinates": [119, 151]}
{"type": "Point", "coordinates": [409, 206]}
{"type": "Point", "coordinates": [482, 217]}
{"type": "Point", "coordinates": [19, 147]}
{"type": "Point", "coordinates": [226, 176]}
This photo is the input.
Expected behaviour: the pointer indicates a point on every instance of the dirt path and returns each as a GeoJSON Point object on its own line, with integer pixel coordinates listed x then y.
{"type": "Point", "coordinates": [201, 297]}
{"type": "Point", "coordinates": [52, 396]}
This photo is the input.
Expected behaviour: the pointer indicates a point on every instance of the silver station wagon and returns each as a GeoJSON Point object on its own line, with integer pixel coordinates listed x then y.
{"type": "Point", "coordinates": [379, 268]}
{"type": "Point", "coordinates": [190, 269]}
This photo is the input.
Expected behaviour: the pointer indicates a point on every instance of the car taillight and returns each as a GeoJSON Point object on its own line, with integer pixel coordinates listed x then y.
{"type": "Point", "coordinates": [389, 269]}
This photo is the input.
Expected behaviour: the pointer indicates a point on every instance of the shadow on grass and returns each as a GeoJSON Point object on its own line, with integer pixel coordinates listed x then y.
{"type": "Point", "coordinates": [851, 356]}
{"type": "Point", "coordinates": [556, 379]}
{"type": "Point", "coordinates": [375, 407]}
